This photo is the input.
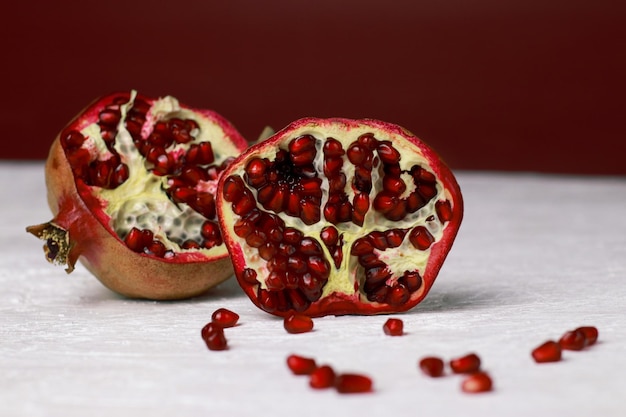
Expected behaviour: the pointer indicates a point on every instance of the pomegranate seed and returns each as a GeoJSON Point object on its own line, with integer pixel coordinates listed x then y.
{"type": "Point", "coordinates": [444, 211]}
{"type": "Point", "coordinates": [249, 275]}
{"type": "Point", "coordinates": [393, 327]}
{"type": "Point", "coordinates": [421, 238]}
{"type": "Point", "coordinates": [156, 248]}
{"type": "Point", "coordinates": [224, 317]}
{"type": "Point", "coordinates": [478, 382]}
{"type": "Point", "coordinates": [297, 323]}
{"type": "Point", "coordinates": [572, 340]}
{"type": "Point", "coordinates": [591, 334]}
{"type": "Point", "coordinates": [466, 364]}
{"type": "Point", "coordinates": [300, 365]}
{"type": "Point", "coordinates": [329, 235]}
{"type": "Point", "coordinates": [353, 383]}
{"type": "Point", "coordinates": [233, 189]}
{"type": "Point", "coordinates": [137, 239]}
{"type": "Point", "coordinates": [398, 295]}
{"type": "Point", "coordinates": [322, 377]}
{"type": "Point", "coordinates": [432, 366]}
{"type": "Point", "coordinates": [213, 336]}
{"type": "Point", "coordinates": [387, 153]}
{"type": "Point", "coordinates": [550, 351]}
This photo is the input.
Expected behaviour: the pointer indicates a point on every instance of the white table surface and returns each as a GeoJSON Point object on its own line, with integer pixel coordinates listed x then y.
{"type": "Point", "coordinates": [537, 255]}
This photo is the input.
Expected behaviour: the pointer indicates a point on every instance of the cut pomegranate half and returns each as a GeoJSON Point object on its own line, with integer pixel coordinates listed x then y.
{"type": "Point", "coordinates": [338, 216]}
{"type": "Point", "coordinates": [131, 183]}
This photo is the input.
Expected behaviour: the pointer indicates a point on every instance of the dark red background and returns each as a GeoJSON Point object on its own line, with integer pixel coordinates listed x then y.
{"type": "Point", "coordinates": [490, 84]}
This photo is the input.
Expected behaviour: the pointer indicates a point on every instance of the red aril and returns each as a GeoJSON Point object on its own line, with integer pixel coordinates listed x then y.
{"type": "Point", "coordinates": [353, 384]}
{"type": "Point", "coordinates": [591, 334]}
{"type": "Point", "coordinates": [224, 317]}
{"type": "Point", "coordinates": [322, 377]}
{"type": "Point", "coordinates": [572, 340]}
{"type": "Point", "coordinates": [393, 327]}
{"type": "Point", "coordinates": [465, 364]}
{"type": "Point", "coordinates": [338, 216]}
{"type": "Point", "coordinates": [477, 382]}
{"type": "Point", "coordinates": [432, 366]}
{"type": "Point", "coordinates": [213, 336]}
{"type": "Point", "coordinates": [549, 351]}
{"type": "Point", "coordinates": [131, 183]}
{"type": "Point", "coordinates": [297, 323]}
{"type": "Point", "coordinates": [301, 365]}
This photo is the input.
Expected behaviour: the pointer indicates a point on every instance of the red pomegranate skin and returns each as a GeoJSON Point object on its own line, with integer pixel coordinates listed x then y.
{"type": "Point", "coordinates": [91, 239]}
{"type": "Point", "coordinates": [343, 303]}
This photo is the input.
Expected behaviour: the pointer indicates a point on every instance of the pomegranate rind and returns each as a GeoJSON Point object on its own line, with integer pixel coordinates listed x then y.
{"type": "Point", "coordinates": [94, 243]}
{"type": "Point", "coordinates": [344, 302]}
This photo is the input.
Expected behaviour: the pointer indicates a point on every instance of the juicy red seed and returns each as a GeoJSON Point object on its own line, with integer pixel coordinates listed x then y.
{"type": "Point", "coordinates": [256, 168]}
{"type": "Point", "coordinates": [319, 266]}
{"type": "Point", "coordinates": [329, 235]}
{"type": "Point", "coordinates": [310, 246]}
{"type": "Point", "coordinates": [224, 317]}
{"type": "Point", "coordinates": [245, 204]}
{"type": "Point", "coordinates": [301, 365]}
{"type": "Point", "coordinates": [213, 336]}
{"type": "Point", "coordinates": [394, 237]}
{"type": "Point", "coordinates": [444, 211]}
{"type": "Point", "coordinates": [292, 236]}
{"type": "Point", "coordinates": [591, 334]}
{"type": "Point", "coordinates": [421, 238]}
{"type": "Point", "coordinates": [393, 327]}
{"type": "Point", "coordinates": [322, 377]}
{"type": "Point", "coordinates": [549, 351]}
{"type": "Point", "coordinates": [398, 295]}
{"type": "Point", "coordinates": [572, 340]}
{"type": "Point", "coordinates": [72, 139]}
{"type": "Point", "coordinates": [387, 153]}
{"type": "Point", "coordinates": [385, 202]}
{"type": "Point", "coordinates": [361, 246]}
{"type": "Point", "coordinates": [190, 244]}
{"type": "Point", "coordinates": [353, 384]}
{"type": "Point", "coordinates": [333, 148]}
{"type": "Point", "coordinates": [378, 240]}
{"type": "Point", "coordinates": [210, 231]}
{"type": "Point", "coordinates": [357, 154]}
{"type": "Point", "coordinates": [297, 323]}
{"type": "Point", "coordinates": [302, 144]}
{"type": "Point", "coordinates": [431, 366]}
{"type": "Point", "coordinates": [109, 117]}
{"type": "Point", "coordinates": [478, 382]}
{"type": "Point", "coordinates": [233, 189]}
{"type": "Point", "coordinates": [138, 239]}
{"type": "Point", "coordinates": [249, 276]}
{"type": "Point", "coordinates": [156, 248]}
{"type": "Point", "coordinates": [310, 213]}
{"type": "Point", "coordinates": [393, 185]}
{"type": "Point", "coordinates": [413, 280]}
{"type": "Point", "coordinates": [465, 364]}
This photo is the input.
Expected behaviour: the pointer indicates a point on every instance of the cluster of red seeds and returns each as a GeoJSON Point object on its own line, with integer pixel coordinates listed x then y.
{"type": "Point", "coordinates": [475, 381]}
{"type": "Point", "coordinates": [213, 332]}
{"type": "Point", "coordinates": [576, 339]}
{"type": "Point", "coordinates": [322, 377]}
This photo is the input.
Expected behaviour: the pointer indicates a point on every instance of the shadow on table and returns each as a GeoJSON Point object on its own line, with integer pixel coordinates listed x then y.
{"type": "Point", "coordinates": [453, 299]}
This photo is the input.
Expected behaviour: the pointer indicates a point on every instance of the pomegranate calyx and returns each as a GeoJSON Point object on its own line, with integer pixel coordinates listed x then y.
{"type": "Point", "coordinates": [58, 247]}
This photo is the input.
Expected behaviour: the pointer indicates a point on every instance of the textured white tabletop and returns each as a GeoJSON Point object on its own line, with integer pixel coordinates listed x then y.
{"type": "Point", "coordinates": [536, 256]}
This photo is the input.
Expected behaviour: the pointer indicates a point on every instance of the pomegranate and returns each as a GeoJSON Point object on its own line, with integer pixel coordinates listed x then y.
{"type": "Point", "coordinates": [338, 216]}
{"type": "Point", "coordinates": [131, 183]}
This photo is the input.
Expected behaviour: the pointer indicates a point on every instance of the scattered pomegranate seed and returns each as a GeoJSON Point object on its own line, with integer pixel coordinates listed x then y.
{"type": "Point", "coordinates": [297, 323]}
{"type": "Point", "coordinates": [393, 327]}
{"type": "Point", "coordinates": [431, 366]}
{"type": "Point", "coordinates": [466, 364]}
{"type": "Point", "coordinates": [353, 383]}
{"type": "Point", "coordinates": [550, 351]}
{"type": "Point", "coordinates": [213, 336]}
{"type": "Point", "coordinates": [591, 334]}
{"type": "Point", "coordinates": [300, 365]}
{"type": "Point", "coordinates": [322, 377]}
{"type": "Point", "coordinates": [572, 340]}
{"type": "Point", "coordinates": [478, 382]}
{"type": "Point", "coordinates": [225, 317]}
